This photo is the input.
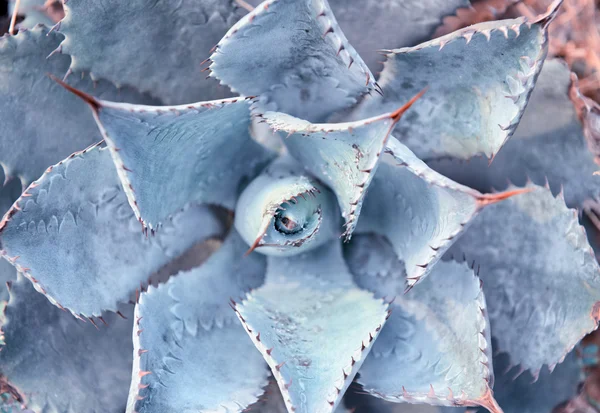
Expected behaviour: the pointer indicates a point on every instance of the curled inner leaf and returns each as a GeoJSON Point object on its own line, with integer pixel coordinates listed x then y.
{"type": "Point", "coordinates": [284, 211]}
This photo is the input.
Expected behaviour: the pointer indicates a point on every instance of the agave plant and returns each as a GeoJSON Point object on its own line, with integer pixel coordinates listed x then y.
{"type": "Point", "coordinates": [280, 244]}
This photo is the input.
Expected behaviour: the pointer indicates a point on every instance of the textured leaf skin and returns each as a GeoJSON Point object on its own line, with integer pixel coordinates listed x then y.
{"type": "Point", "coordinates": [523, 395]}
{"type": "Point", "coordinates": [436, 347]}
{"type": "Point", "coordinates": [372, 25]}
{"type": "Point", "coordinates": [287, 51]}
{"type": "Point", "coordinates": [74, 236]}
{"type": "Point", "coordinates": [344, 156]}
{"type": "Point", "coordinates": [206, 145]}
{"type": "Point", "coordinates": [8, 194]}
{"type": "Point", "coordinates": [272, 402]}
{"type": "Point", "coordinates": [549, 143]}
{"type": "Point", "coordinates": [156, 46]}
{"type": "Point", "coordinates": [489, 71]}
{"type": "Point", "coordinates": [420, 211]}
{"type": "Point", "coordinates": [198, 357]}
{"type": "Point", "coordinates": [542, 288]}
{"type": "Point", "coordinates": [59, 364]}
{"type": "Point", "coordinates": [283, 191]}
{"type": "Point", "coordinates": [42, 123]}
{"type": "Point", "coordinates": [313, 326]}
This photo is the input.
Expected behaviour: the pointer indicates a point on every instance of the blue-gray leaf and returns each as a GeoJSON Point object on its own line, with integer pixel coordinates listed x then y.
{"type": "Point", "coordinates": [57, 364]}
{"type": "Point", "coordinates": [489, 70]}
{"type": "Point", "coordinates": [284, 211]}
{"type": "Point", "coordinates": [313, 326]}
{"type": "Point", "coordinates": [435, 348]}
{"type": "Point", "coordinates": [74, 235]}
{"type": "Point", "coordinates": [294, 54]}
{"type": "Point", "coordinates": [40, 122]}
{"type": "Point", "coordinates": [541, 278]}
{"type": "Point", "coordinates": [169, 156]}
{"type": "Point", "coordinates": [551, 143]}
{"type": "Point", "coordinates": [191, 354]}
{"type": "Point", "coordinates": [156, 46]}
{"type": "Point", "coordinates": [420, 211]}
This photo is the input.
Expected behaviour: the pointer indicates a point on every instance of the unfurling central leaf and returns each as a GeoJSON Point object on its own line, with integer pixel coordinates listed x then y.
{"type": "Point", "coordinates": [285, 212]}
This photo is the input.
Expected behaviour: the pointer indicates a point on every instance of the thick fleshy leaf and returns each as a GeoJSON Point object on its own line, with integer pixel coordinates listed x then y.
{"type": "Point", "coordinates": [420, 211]}
{"type": "Point", "coordinates": [313, 326]}
{"type": "Point", "coordinates": [284, 211]}
{"type": "Point", "coordinates": [155, 46]}
{"type": "Point", "coordinates": [54, 363]}
{"type": "Point", "coordinates": [550, 143]}
{"type": "Point", "coordinates": [272, 402]}
{"type": "Point", "coordinates": [435, 348]}
{"type": "Point", "coordinates": [191, 355]}
{"type": "Point", "coordinates": [206, 145]}
{"type": "Point", "coordinates": [374, 25]}
{"type": "Point", "coordinates": [542, 287]}
{"type": "Point", "coordinates": [40, 122]}
{"type": "Point", "coordinates": [489, 70]}
{"type": "Point", "coordinates": [8, 194]}
{"type": "Point", "coordinates": [344, 155]}
{"type": "Point", "coordinates": [525, 394]}
{"type": "Point", "coordinates": [294, 54]}
{"type": "Point", "coordinates": [73, 234]}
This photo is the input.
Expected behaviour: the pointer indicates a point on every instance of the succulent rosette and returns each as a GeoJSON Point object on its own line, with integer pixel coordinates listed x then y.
{"type": "Point", "coordinates": [265, 251]}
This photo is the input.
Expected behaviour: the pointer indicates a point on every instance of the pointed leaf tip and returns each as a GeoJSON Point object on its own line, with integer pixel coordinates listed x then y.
{"type": "Point", "coordinates": [544, 282]}
{"type": "Point", "coordinates": [546, 18]}
{"type": "Point", "coordinates": [313, 326]}
{"type": "Point", "coordinates": [89, 99]}
{"type": "Point", "coordinates": [489, 199]}
{"type": "Point", "coordinates": [397, 114]}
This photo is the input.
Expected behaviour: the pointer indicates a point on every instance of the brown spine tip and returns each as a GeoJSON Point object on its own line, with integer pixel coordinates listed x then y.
{"type": "Point", "coordinates": [90, 100]}
{"type": "Point", "coordinates": [546, 18]}
{"type": "Point", "coordinates": [488, 199]}
{"type": "Point", "coordinates": [396, 115]}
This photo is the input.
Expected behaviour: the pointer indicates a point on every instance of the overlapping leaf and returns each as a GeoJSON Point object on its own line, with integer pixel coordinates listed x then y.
{"type": "Point", "coordinates": [156, 46]}
{"type": "Point", "coordinates": [191, 354]}
{"type": "Point", "coordinates": [54, 363]}
{"type": "Point", "coordinates": [489, 70]}
{"type": "Point", "coordinates": [541, 279]}
{"type": "Point", "coordinates": [344, 156]}
{"type": "Point", "coordinates": [284, 211]}
{"type": "Point", "coordinates": [73, 234]}
{"type": "Point", "coordinates": [374, 25]}
{"type": "Point", "coordinates": [294, 54]}
{"type": "Point", "coordinates": [272, 402]}
{"type": "Point", "coordinates": [313, 326]}
{"type": "Point", "coordinates": [435, 348]}
{"type": "Point", "coordinates": [169, 156]}
{"type": "Point", "coordinates": [40, 122]}
{"type": "Point", "coordinates": [550, 143]}
{"type": "Point", "coordinates": [420, 211]}
{"type": "Point", "coordinates": [8, 194]}
{"type": "Point", "coordinates": [525, 394]}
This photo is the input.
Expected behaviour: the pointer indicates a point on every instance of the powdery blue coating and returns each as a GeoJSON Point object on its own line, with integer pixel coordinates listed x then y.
{"type": "Point", "coordinates": [60, 364]}
{"type": "Point", "coordinates": [344, 155]}
{"type": "Point", "coordinates": [156, 46]}
{"type": "Point", "coordinates": [284, 189]}
{"type": "Point", "coordinates": [41, 122]}
{"type": "Point", "coordinates": [420, 211]}
{"type": "Point", "coordinates": [436, 347]}
{"type": "Point", "coordinates": [311, 317]}
{"type": "Point", "coordinates": [540, 276]}
{"type": "Point", "coordinates": [489, 70]}
{"type": "Point", "coordinates": [76, 237]}
{"type": "Point", "coordinates": [550, 143]}
{"type": "Point", "coordinates": [189, 339]}
{"type": "Point", "coordinates": [287, 52]}
{"type": "Point", "coordinates": [168, 156]}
